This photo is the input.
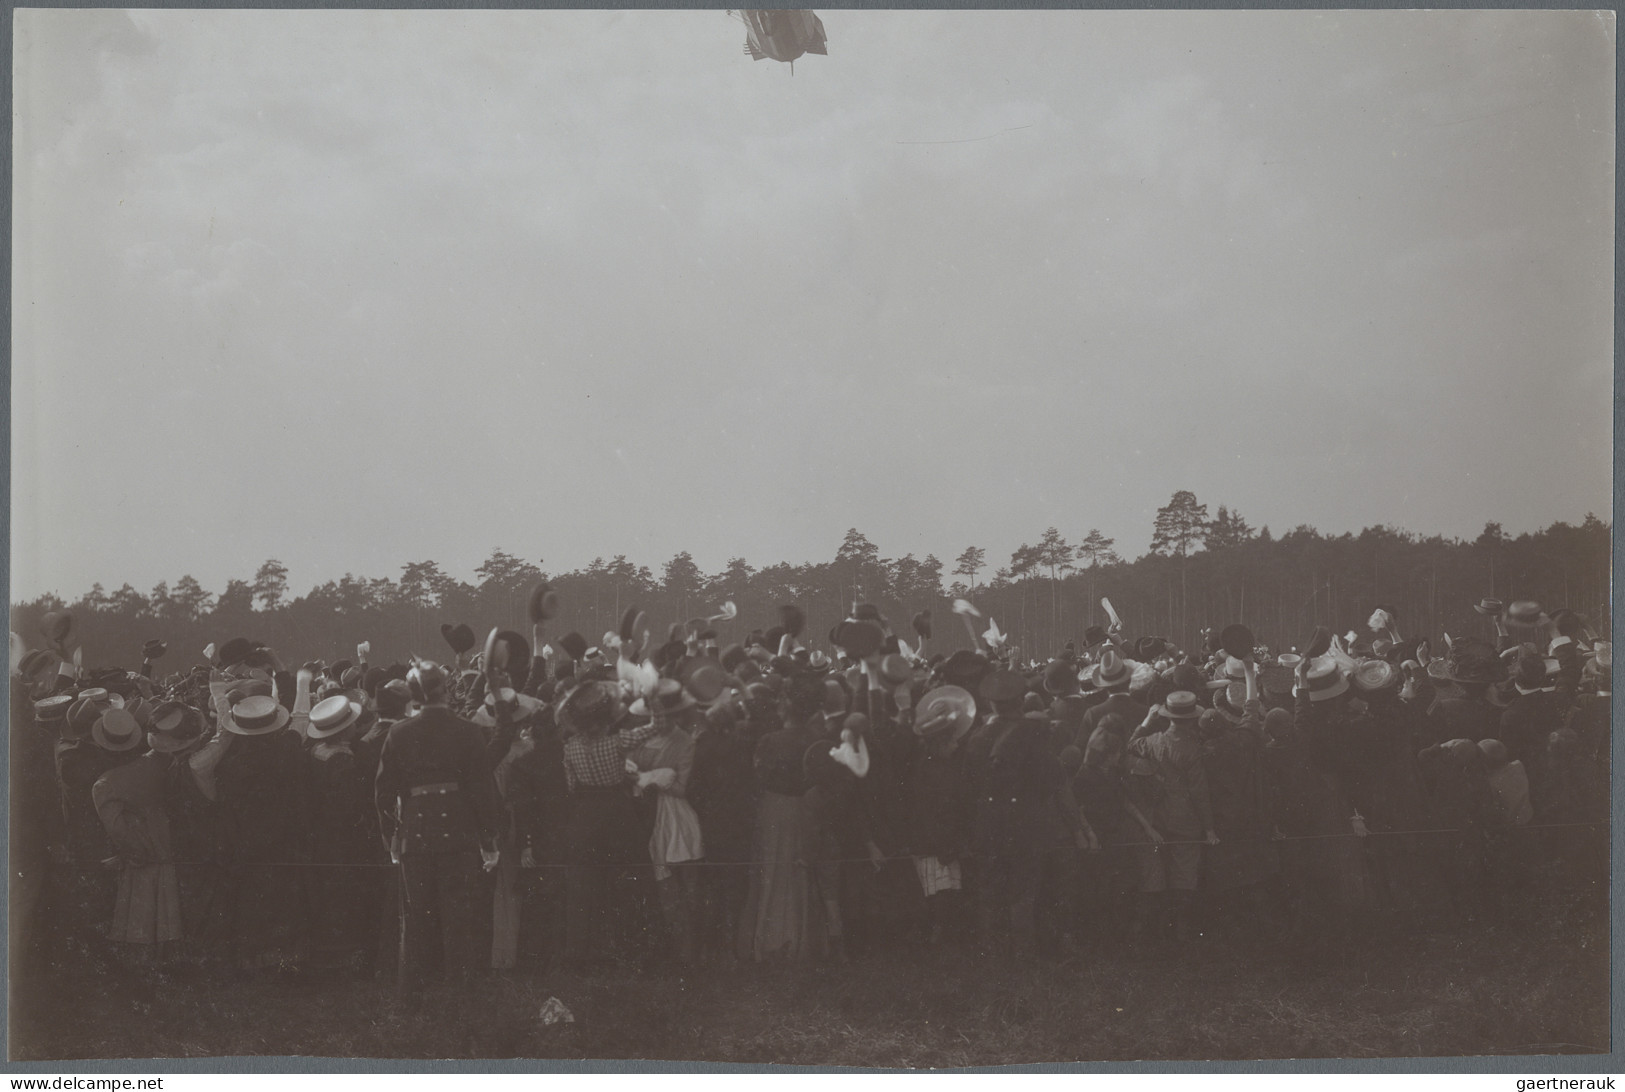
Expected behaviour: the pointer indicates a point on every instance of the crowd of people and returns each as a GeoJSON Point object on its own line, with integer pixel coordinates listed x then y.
{"type": "Point", "coordinates": [535, 804]}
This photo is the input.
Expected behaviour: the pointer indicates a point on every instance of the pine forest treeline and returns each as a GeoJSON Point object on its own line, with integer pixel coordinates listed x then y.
{"type": "Point", "coordinates": [1201, 570]}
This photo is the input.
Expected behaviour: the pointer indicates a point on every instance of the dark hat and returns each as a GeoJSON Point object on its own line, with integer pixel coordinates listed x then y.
{"type": "Point", "coordinates": [867, 612]}
{"type": "Point", "coordinates": [153, 649]}
{"type": "Point", "coordinates": [1033, 702]}
{"type": "Point", "coordinates": [56, 626]}
{"type": "Point", "coordinates": [792, 620]}
{"type": "Point", "coordinates": [704, 678]}
{"type": "Point", "coordinates": [1570, 623]}
{"type": "Point", "coordinates": [633, 622]}
{"type": "Point", "coordinates": [460, 637]}
{"type": "Point", "coordinates": [1147, 649]}
{"type": "Point", "coordinates": [508, 652]}
{"type": "Point", "coordinates": [392, 697]}
{"type": "Point", "coordinates": [574, 645]}
{"type": "Point", "coordinates": [1526, 612]}
{"type": "Point", "coordinates": [732, 657]}
{"type": "Point", "coordinates": [588, 707]}
{"type": "Point", "coordinates": [1237, 640]}
{"type": "Point", "coordinates": [1002, 685]}
{"type": "Point", "coordinates": [894, 670]}
{"type": "Point", "coordinates": [542, 604]}
{"type": "Point", "coordinates": [773, 638]}
{"type": "Point", "coordinates": [1061, 677]}
{"type": "Point", "coordinates": [1094, 635]}
{"type": "Point", "coordinates": [38, 662]}
{"type": "Point", "coordinates": [338, 669]}
{"type": "Point", "coordinates": [858, 638]}
{"type": "Point", "coordinates": [922, 623]}
{"type": "Point", "coordinates": [965, 669]}
{"type": "Point", "coordinates": [1187, 677]}
{"type": "Point", "coordinates": [1318, 644]}
{"type": "Point", "coordinates": [373, 678]}
{"type": "Point", "coordinates": [670, 697]}
{"type": "Point", "coordinates": [236, 650]}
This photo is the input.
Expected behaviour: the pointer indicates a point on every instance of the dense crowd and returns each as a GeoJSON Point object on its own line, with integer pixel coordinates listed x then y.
{"type": "Point", "coordinates": [537, 804]}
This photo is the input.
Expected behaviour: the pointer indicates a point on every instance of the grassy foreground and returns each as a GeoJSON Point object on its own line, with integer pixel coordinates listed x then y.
{"type": "Point", "coordinates": [1490, 990]}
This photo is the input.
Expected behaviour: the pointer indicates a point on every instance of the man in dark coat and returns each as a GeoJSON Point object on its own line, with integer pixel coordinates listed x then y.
{"type": "Point", "coordinates": [438, 813]}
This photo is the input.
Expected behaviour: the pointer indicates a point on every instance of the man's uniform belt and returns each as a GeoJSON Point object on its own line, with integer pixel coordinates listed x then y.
{"type": "Point", "coordinates": [436, 789]}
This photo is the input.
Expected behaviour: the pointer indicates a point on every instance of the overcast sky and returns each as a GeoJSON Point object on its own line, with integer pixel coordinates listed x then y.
{"type": "Point", "coordinates": [352, 289]}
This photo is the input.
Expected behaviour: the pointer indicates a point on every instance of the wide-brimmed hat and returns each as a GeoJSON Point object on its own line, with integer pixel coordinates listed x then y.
{"type": "Point", "coordinates": [1181, 705]}
{"type": "Point", "coordinates": [1374, 675]}
{"type": "Point", "coordinates": [1534, 672]}
{"type": "Point", "coordinates": [1061, 678]}
{"type": "Point", "coordinates": [332, 716]}
{"type": "Point", "coordinates": [858, 638]}
{"type": "Point", "coordinates": [175, 727]}
{"type": "Point", "coordinates": [1525, 612]}
{"type": "Point", "coordinates": [56, 626]}
{"type": "Point", "coordinates": [704, 678]}
{"type": "Point", "coordinates": [542, 604]}
{"type": "Point", "coordinates": [256, 716]}
{"type": "Point", "coordinates": [1111, 671]}
{"type": "Point", "coordinates": [508, 652]}
{"type": "Point", "coordinates": [153, 649]}
{"type": "Point", "coordinates": [235, 651]}
{"type": "Point", "coordinates": [965, 669]}
{"type": "Point", "coordinates": [1147, 649]}
{"type": "Point", "coordinates": [1491, 607]}
{"type": "Point", "coordinates": [574, 645]}
{"type": "Point", "coordinates": [1319, 642]}
{"type": "Point", "coordinates": [116, 730]}
{"type": "Point", "coordinates": [670, 697]}
{"type": "Point", "coordinates": [459, 636]}
{"type": "Point", "coordinates": [1326, 679]}
{"type": "Point", "coordinates": [945, 709]}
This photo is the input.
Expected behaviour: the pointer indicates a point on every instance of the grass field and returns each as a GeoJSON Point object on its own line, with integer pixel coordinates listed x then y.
{"type": "Point", "coordinates": [1489, 990]}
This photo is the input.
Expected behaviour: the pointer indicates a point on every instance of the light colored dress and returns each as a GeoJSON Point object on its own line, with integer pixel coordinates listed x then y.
{"type": "Point", "coordinates": [676, 837]}
{"type": "Point", "coordinates": [129, 800]}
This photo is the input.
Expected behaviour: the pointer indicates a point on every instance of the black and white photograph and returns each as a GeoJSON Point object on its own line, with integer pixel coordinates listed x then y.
{"type": "Point", "coordinates": [883, 539]}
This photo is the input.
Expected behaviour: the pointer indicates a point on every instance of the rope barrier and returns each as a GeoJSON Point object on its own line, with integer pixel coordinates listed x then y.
{"type": "Point", "coordinates": [97, 865]}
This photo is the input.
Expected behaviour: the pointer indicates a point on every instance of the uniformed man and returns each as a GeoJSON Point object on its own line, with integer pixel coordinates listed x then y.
{"type": "Point", "coordinates": [438, 813]}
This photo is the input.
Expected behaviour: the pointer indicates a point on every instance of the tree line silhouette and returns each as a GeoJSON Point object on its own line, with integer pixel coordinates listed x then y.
{"type": "Point", "coordinates": [1199, 571]}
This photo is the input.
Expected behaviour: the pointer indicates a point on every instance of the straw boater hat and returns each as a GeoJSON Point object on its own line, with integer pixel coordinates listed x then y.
{"type": "Point", "coordinates": [53, 711]}
{"type": "Point", "coordinates": [256, 716]}
{"type": "Point", "coordinates": [332, 716]}
{"type": "Point", "coordinates": [116, 730]}
{"type": "Point", "coordinates": [1181, 705]}
{"type": "Point", "coordinates": [1325, 679]}
{"type": "Point", "coordinates": [175, 727]}
{"type": "Point", "coordinates": [1374, 675]}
